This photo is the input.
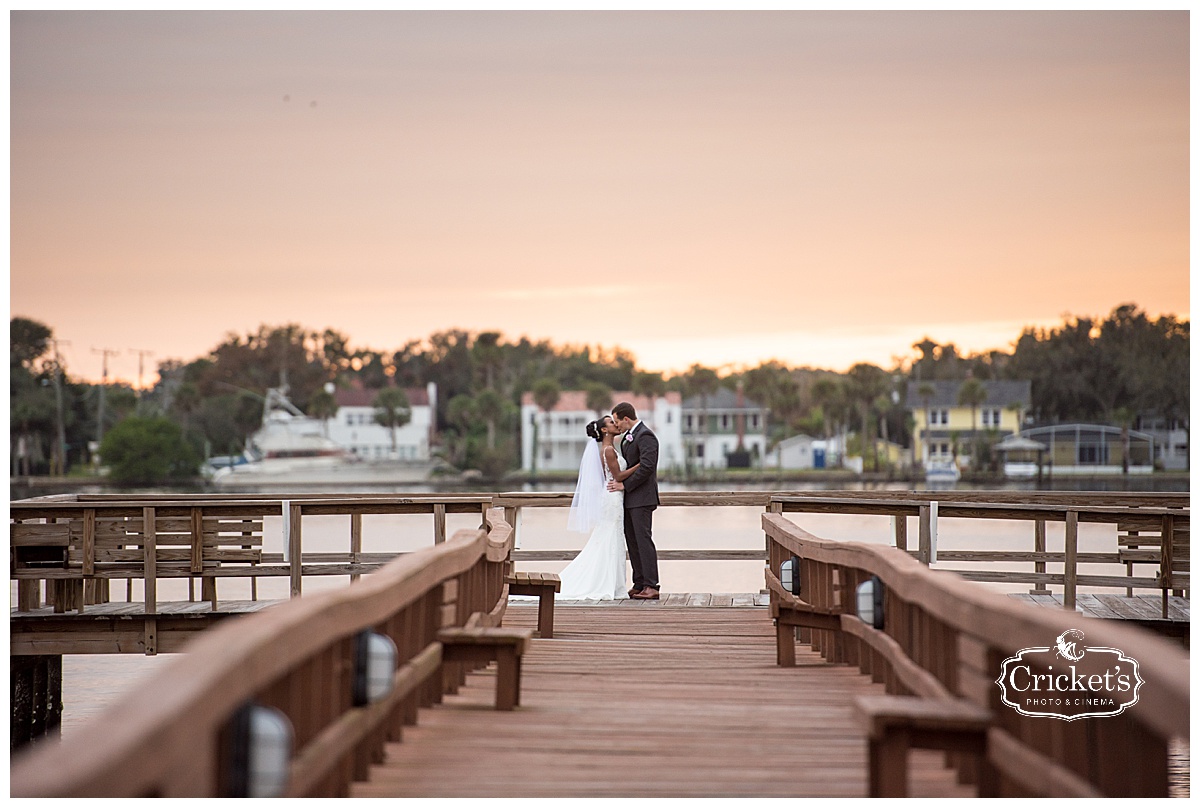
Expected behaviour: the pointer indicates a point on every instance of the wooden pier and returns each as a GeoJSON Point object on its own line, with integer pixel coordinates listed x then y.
{"type": "Point", "coordinates": [650, 702]}
{"type": "Point", "coordinates": [787, 694]}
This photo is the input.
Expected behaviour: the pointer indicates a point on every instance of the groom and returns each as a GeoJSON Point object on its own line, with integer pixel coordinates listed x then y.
{"type": "Point", "coordinates": [640, 447]}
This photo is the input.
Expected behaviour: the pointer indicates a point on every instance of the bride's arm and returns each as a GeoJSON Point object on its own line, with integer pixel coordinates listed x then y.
{"type": "Point", "coordinates": [621, 475]}
{"type": "Point", "coordinates": [614, 468]}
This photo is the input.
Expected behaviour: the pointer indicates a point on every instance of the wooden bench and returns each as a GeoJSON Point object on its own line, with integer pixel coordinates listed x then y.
{"type": "Point", "coordinates": [896, 724]}
{"type": "Point", "coordinates": [481, 645]}
{"type": "Point", "coordinates": [544, 585]}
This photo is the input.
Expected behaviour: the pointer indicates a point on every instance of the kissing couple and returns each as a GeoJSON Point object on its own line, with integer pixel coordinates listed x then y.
{"type": "Point", "coordinates": [614, 502]}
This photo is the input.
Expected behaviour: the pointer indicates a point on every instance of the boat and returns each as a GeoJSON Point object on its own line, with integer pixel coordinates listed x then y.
{"type": "Point", "coordinates": [291, 449]}
{"type": "Point", "coordinates": [942, 473]}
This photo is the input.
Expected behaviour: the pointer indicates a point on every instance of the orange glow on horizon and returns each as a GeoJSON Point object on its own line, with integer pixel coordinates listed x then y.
{"type": "Point", "coordinates": [718, 188]}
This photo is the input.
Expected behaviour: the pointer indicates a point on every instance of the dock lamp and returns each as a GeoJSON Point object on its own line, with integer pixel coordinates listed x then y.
{"type": "Point", "coordinates": [260, 752]}
{"type": "Point", "coordinates": [869, 601]}
{"type": "Point", "coordinates": [789, 575]}
{"type": "Point", "coordinates": [374, 667]}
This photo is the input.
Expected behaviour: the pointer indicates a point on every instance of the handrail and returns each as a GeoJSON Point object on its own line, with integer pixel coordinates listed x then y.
{"type": "Point", "coordinates": [1163, 527]}
{"type": "Point", "coordinates": [1132, 512]}
{"type": "Point", "coordinates": [165, 738]}
{"type": "Point", "coordinates": [78, 539]}
{"type": "Point", "coordinates": [941, 626]}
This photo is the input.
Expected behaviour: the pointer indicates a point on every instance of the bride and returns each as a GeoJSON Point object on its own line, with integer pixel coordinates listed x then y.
{"type": "Point", "coordinates": [598, 572]}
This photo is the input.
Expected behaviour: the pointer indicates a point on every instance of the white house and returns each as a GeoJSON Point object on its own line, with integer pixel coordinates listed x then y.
{"type": "Point", "coordinates": [561, 435]}
{"type": "Point", "coordinates": [1170, 440]}
{"type": "Point", "coordinates": [732, 420]}
{"type": "Point", "coordinates": [355, 428]}
{"type": "Point", "coordinates": [796, 452]}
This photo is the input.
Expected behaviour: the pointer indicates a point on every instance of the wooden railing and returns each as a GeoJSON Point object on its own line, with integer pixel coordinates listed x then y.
{"type": "Point", "coordinates": [515, 503]}
{"type": "Point", "coordinates": [1156, 534]}
{"type": "Point", "coordinates": [172, 737]}
{"type": "Point", "coordinates": [78, 545]}
{"type": "Point", "coordinates": [944, 641]}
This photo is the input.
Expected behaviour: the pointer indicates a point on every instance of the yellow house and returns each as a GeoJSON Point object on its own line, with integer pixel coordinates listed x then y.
{"type": "Point", "coordinates": [939, 419]}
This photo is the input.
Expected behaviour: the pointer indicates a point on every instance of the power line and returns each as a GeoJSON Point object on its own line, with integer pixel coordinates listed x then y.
{"type": "Point", "coordinates": [142, 354]}
{"type": "Point", "coordinates": [141, 358]}
{"type": "Point", "coordinates": [107, 352]}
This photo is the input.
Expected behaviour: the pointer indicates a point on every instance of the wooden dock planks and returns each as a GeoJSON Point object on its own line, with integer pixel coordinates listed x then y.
{"type": "Point", "coordinates": [648, 702]}
{"type": "Point", "coordinates": [1141, 608]}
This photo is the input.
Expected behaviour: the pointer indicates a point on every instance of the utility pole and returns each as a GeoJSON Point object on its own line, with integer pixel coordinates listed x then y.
{"type": "Point", "coordinates": [59, 455]}
{"type": "Point", "coordinates": [141, 357]}
{"type": "Point", "coordinates": [107, 352]}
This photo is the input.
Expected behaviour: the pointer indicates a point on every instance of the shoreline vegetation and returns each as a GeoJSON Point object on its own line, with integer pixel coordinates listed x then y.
{"type": "Point", "coordinates": [1127, 370]}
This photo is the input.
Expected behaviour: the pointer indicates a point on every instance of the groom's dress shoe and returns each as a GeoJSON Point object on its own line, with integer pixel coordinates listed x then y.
{"type": "Point", "coordinates": [646, 594]}
{"type": "Point", "coordinates": [634, 591]}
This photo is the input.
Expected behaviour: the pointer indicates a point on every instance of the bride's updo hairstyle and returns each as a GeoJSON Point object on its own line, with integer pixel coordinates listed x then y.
{"type": "Point", "coordinates": [595, 430]}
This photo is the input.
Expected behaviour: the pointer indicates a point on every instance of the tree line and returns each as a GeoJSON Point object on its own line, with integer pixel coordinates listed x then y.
{"type": "Point", "coordinates": [1109, 370]}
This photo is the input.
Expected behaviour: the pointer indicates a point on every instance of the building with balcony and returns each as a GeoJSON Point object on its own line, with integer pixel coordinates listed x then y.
{"type": "Point", "coordinates": [716, 425]}
{"type": "Point", "coordinates": [939, 421]}
{"type": "Point", "coordinates": [560, 437]}
{"type": "Point", "coordinates": [355, 428]}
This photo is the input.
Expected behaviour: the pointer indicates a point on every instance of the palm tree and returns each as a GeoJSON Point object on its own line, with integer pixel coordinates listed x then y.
{"type": "Point", "coordinates": [546, 393]}
{"type": "Point", "coordinates": [881, 406]}
{"type": "Point", "coordinates": [927, 391]}
{"type": "Point", "coordinates": [392, 411]}
{"type": "Point", "coordinates": [489, 356]}
{"type": "Point", "coordinates": [490, 406]}
{"type": "Point", "coordinates": [599, 397]}
{"type": "Point", "coordinates": [827, 393]}
{"type": "Point", "coordinates": [972, 394]}
{"type": "Point", "coordinates": [1124, 416]}
{"type": "Point", "coordinates": [187, 401]}
{"type": "Point", "coordinates": [461, 412]}
{"type": "Point", "coordinates": [324, 406]}
{"type": "Point", "coordinates": [866, 382]}
{"type": "Point", "coordinates": [648, 384]}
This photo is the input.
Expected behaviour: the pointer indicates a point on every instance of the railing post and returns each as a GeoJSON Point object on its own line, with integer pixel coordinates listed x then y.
{"type": "Point", "coordinates": [1070, 560]}
{"type": "Point", "coordinates": [900, 531]}
{"type": "Point", "coordinates": [1167, 560]}
{"type": "Point", "coordinates": [439, 523]}
{"type": "Point", "coordinates": [1039, 546]}
{"type": "Point", "coordinates": [295, 554]}
{"type": "Point", "coordinates": [925, 537]}
{"type": "Point", "coordinates": [150, 581]}
{"type": "Point", "coordinates": [355, 542]}
{"type": "Point", "coordinates": [149, 560]}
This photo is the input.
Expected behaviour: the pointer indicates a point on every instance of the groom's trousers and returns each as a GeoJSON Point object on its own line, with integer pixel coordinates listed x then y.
{"type": "Point", "coordinates": [642, 554]}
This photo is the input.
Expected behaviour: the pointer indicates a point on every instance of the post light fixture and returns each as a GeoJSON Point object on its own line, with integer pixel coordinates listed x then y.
{"type": "Point", "coordinates": [789, 575]}
{"type": "Point", "coordinates": [374, 667]}
{"type": "Point", "coordinates": [869, 601]}
{"type": "Point", "coordinates": [260, 752]}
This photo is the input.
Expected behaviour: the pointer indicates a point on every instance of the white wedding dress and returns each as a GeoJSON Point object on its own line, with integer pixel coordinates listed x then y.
{"type": "Point", "coordinates": [598, 572]}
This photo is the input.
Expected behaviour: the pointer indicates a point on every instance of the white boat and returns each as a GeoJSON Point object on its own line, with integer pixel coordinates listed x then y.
{"type": "Point", "coordinates": [291, 449]}
{"type": "Point", "coordinates": [1020, 471]}
{"type": "Point", "coordinates": [942, 473]}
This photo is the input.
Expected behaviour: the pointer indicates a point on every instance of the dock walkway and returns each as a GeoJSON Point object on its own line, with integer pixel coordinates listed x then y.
{"type": "Point", "coordinates": [666, 701]}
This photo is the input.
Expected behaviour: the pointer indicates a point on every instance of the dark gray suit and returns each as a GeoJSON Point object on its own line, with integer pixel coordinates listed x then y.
{"type": "Point", "coordinates": [641, 498]}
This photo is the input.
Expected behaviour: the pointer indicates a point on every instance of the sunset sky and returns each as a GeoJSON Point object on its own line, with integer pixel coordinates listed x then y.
{"type": "Point", "coordinates": [714, 187]}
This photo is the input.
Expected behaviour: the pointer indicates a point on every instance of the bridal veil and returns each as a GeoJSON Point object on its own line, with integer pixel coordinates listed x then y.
{"type": "Point", "coordinates": [589, 491]}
